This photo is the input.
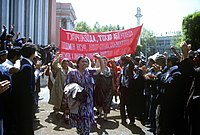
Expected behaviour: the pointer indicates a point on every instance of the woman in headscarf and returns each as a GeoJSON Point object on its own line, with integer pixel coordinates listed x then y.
{"type": "Point", "coordinates": [62, 69]}
{"type": "Point", "coordinates": [104, 88]}
{"type": "Point", "coordinates": [84, 119]}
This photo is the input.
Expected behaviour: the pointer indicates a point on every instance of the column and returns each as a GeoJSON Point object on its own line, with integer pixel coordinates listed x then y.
{"type": "Point", "coordinates": [45, 22]}
{"type": "Point", "coordinates": [5, 13]}
{"type": "Point", "coordinates": [1, 26]}
{"type": "Point", "coordinates": [52, 22]}
{"type": "Point", "coordinates": [19, 16]}
{"type": "Point", "coordinates": [11, 19]}
{"type": "Point", "coordinates": [38, 22]}
{"type": "Point", "coordinates": [31, 19]}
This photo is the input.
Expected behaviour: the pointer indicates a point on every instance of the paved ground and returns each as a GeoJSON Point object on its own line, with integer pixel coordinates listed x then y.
{"type": "Point", "coordinates": [55, 125]}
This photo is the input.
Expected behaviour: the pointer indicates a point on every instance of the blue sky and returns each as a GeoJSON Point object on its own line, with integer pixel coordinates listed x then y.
{"type": "Point", "coordinates": [159, 16]}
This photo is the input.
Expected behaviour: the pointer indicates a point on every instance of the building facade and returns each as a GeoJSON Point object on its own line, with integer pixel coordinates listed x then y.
{"type": "Point", "coordinates": [65, 17]}
{"type": "Point", "coordinates": [164, 43]}
{"type": "Point", "coordinates": [32, 18]}
{"type": "Point", "coordinates": [39, 19]}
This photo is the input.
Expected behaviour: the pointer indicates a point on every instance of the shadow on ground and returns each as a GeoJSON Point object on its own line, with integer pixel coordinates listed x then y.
{"type": "Point", "coordinates": [58, 121]}
{"type": "Point", "coordinates": [135, 129]}
{"type": "Point", "coordinates": [37, 125]}
{"type": "Point", "coordinates": [101, 125]}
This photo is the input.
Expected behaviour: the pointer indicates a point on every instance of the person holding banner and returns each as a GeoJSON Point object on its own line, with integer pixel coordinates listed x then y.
{"type": "Point", "coordinates": [84, 119]}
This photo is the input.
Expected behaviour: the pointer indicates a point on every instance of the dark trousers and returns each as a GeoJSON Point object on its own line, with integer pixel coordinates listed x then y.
{"type": "Point", "coordinates": [172, 122]}
{"type": "Point", "coordinates": [1, 126]}
{"type": "Point", "coordinates": [127, 102]}
{"type": "Point", "coordinates": [194, 116]}
{"type": "Point", "coordinates": [123, 103]}
{"type": "Point", "coordinates": [153, 112]}
{"type": "Point", "coordinates": [24, 119]}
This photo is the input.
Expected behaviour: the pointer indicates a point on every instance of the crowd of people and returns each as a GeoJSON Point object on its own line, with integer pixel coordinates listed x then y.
{"type": "Point", "coordinates": [20, 70]}
{"type": "Point", "coordinates": [162, 92]}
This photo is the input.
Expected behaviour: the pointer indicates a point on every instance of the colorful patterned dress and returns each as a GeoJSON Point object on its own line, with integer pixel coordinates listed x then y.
{"type": "Point", "coordinates": [85, 117]}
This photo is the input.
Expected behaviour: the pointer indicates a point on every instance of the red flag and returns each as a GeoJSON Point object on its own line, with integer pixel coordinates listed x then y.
{"type": "Point", "coordinates": [110, 44]}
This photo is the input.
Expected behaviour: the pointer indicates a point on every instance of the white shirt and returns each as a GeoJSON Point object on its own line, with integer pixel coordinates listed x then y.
{"type": "Point", "coordinates": [8, 64]}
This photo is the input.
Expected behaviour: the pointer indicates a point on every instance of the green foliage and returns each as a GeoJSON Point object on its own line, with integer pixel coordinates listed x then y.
{"type": "Point", "coordinates": [148, 42]}
{"type": "Point", "coordinates": [96, 27]}
{"type": "Point", "coordinates": [83, 27]}
{"type": "Point", "coordinates": [176, 40]}
{"type": "Point", "coordinates": [191, 29]}
{"type": "Point", "coordinates": [139, 49]}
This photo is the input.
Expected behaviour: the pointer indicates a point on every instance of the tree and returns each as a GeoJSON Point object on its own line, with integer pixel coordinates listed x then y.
{"type": "Point", "coordinates": [97, 27]}
{"type": "Point", "coordinates": [104, 28]}
{"type": "Point", "coordinates": [82, 27]}
{"type": "Point", "coordinates": [191, 29]}
{"type": "Point", "coordinates": [148, 42]}
{"type": "Point", "coordinates": [177, 39]}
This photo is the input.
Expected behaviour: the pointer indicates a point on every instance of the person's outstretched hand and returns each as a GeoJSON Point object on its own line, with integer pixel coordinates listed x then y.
{"type": "Point", "coordinates": [4, 85]}
{"type": "Point", "coordinates": [96, 55]}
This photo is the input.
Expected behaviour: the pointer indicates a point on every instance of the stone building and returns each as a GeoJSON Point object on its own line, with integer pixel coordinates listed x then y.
{"type": "Point", "coordinates": [38, 19]}
{"type": "Point", "coordinates": [65, 17]}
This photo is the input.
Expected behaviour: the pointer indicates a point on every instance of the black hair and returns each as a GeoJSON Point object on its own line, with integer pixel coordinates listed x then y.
{"type": "Point", "coordinates": [29, 40]}
{"type": "Point", "coordinates": [64, 60]}
{"type": "Point", "coordinates": [14, 52]}
{"type": "Point", "coordinates": [28, 50]}
{"type": "Point", "coordinates": [161, 58]}
{"type": "Point", "coordinates": [78, 60]}
{"type": "Point", "coordinates": [174, 60]}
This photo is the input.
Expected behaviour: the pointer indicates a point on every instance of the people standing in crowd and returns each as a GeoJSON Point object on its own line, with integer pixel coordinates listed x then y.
{"type": "Point", "coordinates": [151, 93]}
{"type": "Point", "coordinates": [13, 55]}
{"type": "Point", "coordinates": [83, 76]}
{"type": "Point", "coordinates": [4, 93]}
{"type": "Point", "coordinates": [127, 95]}
{"type": "Point", "coordinates": [160, 69]}
{"type": "Point", "coordinates": [4, 85]}
{"type": "Point", "coordinates": [172, 100]}
{"type": "Point", "coordinates": [51, 73]}
{"type": "Point", "coordinates": [38, 72]}
{"type": "Point", "coordinates": [193, 103]}
{"type": "Point", "coordinates": [23, 92]}
{"type": "Point", "coordinates": [189, 67]}
{"type": "Point", "coordinates": [8, 43]}
{"type": "Point", "coordinates": [138, 88]}
{"type": "Point", "coordinates": [103, 92]}
{"type": "Point", "coordinates": [62, 69]}
{"type": "Point", "coordinates": [20, 41]}
{"type": "Point", "coordinates": [3, 37]}
{"type": "Point", "coordinates": [115, 72]}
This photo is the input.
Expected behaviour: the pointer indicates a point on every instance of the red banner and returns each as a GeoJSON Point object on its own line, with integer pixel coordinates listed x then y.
{"type": "Point", "coordinates": [110, 44]}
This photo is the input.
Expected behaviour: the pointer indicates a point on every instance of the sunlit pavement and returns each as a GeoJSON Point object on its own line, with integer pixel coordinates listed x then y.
{"type": "Point", "coordinates": [53, 124]}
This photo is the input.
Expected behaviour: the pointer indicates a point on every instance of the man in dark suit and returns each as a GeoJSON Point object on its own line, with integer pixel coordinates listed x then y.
{"type": "Point", "coordinates": [4, 90]}
{"type": "Point", "coordinates": [23, 92]}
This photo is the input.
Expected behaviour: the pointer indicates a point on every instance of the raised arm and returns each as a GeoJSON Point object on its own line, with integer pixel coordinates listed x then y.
{"type": "Point", "coordinates": [102, 66]}
{"type": "Point", "coordinates": [56, 60]}
{"type": "Point", "coordinates": [175, 52]}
